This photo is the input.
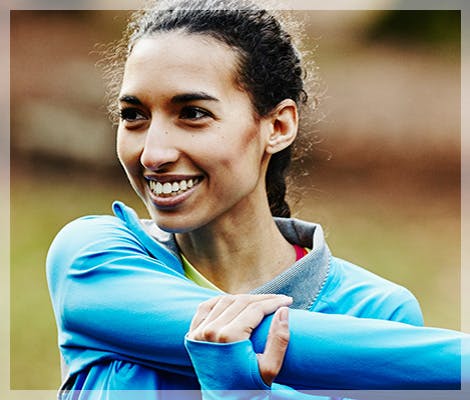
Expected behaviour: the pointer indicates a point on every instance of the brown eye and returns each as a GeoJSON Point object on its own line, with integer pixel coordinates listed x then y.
{"type": "Point", "coordinates": [131, 114]}
{"type": "Point", "coordinates": [194, 113]}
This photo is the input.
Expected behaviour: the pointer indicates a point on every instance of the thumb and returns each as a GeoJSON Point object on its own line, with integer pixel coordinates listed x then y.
{"type": "Point", "coordinates": [270, 362]}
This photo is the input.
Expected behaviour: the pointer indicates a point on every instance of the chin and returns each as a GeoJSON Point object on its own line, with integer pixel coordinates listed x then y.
{"type": "Point", "coordinates": [172, 224]}
{"type": "Point", "coordinates": [172, 229]}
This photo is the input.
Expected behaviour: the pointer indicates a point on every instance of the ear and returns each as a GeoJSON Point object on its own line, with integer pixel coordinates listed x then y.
{"type": "Point", "coordinates": [283, 126]}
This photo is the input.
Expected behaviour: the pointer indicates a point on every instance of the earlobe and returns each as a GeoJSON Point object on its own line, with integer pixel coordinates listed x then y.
{"type": "Point", "coordinates": [283, 126]}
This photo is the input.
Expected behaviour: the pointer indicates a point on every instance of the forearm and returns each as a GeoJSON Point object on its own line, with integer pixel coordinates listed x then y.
{"type": "Point", "coordinates": [230, 371]}
{"type": "Point", "coordinates": [337, 352]}
{"type": "Point", "coordinates": [340, 352]}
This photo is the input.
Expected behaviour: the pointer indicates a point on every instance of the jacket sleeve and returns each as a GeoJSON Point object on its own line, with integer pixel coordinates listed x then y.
{"type": "Point", "coordinates": [229, 371]}
{"type": "Point", "coordinates": [337, 352]}
{"type": "Point", "coordinates": [112, 299]}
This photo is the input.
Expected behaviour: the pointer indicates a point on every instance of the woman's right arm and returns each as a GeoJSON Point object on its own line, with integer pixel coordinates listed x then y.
{"type": "Point", "coordinates": [113, 299]}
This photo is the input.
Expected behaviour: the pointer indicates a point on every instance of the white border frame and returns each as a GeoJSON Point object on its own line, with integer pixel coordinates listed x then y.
{"type": "Point", "coordinates": [463, 5]}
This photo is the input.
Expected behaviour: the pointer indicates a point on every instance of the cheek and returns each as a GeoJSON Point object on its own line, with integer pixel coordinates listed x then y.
{"type": "Point", "coordinates": [249, 149]}
{"type": "Point", "coordinates": [251, 140]}
{"type": "Point", "coordinates": [127, 152]}
{"type": "Point", "coordinates": [242, 156]}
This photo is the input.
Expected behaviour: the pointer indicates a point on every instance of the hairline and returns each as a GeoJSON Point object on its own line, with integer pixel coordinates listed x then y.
{"type": "Point", "coordinates": [239, 53]}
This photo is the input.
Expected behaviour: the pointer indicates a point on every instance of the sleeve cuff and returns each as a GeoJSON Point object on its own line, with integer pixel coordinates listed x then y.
{"type": "Point", "coordinates": [225, 366]}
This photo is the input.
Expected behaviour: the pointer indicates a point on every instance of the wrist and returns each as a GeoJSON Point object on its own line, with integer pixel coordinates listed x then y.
{"type": "Point", "coordinates": [225, 366]}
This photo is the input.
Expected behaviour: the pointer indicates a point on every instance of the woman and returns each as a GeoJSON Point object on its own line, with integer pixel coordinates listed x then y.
{"type": "Point", "coordinates": [208, 106]}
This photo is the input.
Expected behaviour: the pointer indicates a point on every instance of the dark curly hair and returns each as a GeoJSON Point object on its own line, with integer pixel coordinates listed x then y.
{"type": "Point", "coordinates": [269, 65]}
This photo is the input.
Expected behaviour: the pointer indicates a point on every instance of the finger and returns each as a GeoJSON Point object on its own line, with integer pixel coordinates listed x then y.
{"type": "Point", "coordinates": [209, 310]}
{"type": "Point", "coordinates": [203, 311]}
{"type": "Point", "coordinates": [229, 304]}
{"type": "Point", "coordinates": [239, 319]}
{"type": "Point", "coordinates": [211, 329]}
{"type": "Point", "coordinates": [222, 305]}
{"type": "Point", "coordinates": [249, 318]}
{"type": "Point", "coordinates": [270, 362]}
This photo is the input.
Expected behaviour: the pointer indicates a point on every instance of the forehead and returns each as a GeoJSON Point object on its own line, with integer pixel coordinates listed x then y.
{"type": "Point", "coordinates": [180, 61]}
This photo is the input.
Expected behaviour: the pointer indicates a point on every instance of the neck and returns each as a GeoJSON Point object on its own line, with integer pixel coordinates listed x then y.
{"type": "Point", "coordinates": [238, 251]}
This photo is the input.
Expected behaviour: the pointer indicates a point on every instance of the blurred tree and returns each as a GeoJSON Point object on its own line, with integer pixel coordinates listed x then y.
{"type": "Point", "coordinates": [434, 27]}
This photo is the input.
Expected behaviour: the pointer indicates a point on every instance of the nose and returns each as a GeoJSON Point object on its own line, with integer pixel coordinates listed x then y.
{"type": "Point", "coordinates": [160, 148]}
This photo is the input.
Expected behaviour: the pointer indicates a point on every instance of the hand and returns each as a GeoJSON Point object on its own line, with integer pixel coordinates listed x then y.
{"type": "Point", "coordinates": [233, 318]}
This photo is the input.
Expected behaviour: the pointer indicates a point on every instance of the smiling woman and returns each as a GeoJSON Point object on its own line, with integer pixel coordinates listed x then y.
{"type": "Point", "coordinates": [193, 125]}
{"type": "Point", "coordinates": [209, 105]}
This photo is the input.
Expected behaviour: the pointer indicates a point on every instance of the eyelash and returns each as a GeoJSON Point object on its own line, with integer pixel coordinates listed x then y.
{"type": "Point", "coordinates": [134, 115]}
{"type": "Point", "coordinates": [131, 114]}
{"type": "Point", "coordinates": [184, 114]}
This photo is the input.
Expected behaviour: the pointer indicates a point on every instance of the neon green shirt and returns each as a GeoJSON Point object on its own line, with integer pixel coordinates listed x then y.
{"type": "Point", "coordinates": [194, 275]}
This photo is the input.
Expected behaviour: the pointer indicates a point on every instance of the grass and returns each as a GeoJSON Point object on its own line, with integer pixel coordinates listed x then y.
{"type": "Point", "coordinates": [407, 234]}
{"type": "Point", "coordinates": [413, 240]}
{"type": "Point", "coordinates": [41, 203]}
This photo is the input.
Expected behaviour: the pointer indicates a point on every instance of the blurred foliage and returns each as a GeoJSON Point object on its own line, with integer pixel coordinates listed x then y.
{"type": "Point", "coordinates": [42, 202]}
{"type": "Point", "coordinates": [431, 27]}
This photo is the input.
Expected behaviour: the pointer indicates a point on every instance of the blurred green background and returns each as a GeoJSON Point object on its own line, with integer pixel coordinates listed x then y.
{"type": "Point", "coordinates": [383, 177]}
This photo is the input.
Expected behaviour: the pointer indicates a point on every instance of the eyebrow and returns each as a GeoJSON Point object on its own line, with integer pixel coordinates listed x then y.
{"type": "Point", "coordinates": [192, 96]}
{"type": "Point", "coordinates": [130, 99]}
{"type": "Point", "coordinates": [177, 99]}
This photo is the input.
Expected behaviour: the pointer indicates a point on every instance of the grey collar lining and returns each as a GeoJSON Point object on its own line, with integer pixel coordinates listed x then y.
{"type": "Point", "coordinates": [303, 280]}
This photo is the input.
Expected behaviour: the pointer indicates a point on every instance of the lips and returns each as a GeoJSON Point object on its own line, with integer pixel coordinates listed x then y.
{"type": "Point", "coordinates": [170, 191]}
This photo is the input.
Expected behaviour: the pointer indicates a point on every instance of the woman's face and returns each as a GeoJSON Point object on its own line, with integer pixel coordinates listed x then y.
{"type": "Point", "coordinates": [188, 138]}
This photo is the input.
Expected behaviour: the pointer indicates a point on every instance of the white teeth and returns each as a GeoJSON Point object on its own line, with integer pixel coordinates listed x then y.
{"type": "Point", "coordinates": [167, 188]}
{"type": "Point", "coordinates": [172, 188]}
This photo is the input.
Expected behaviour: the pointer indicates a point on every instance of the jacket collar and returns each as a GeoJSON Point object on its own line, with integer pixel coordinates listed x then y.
{"type": "Point", "coordinates": [303, 280]}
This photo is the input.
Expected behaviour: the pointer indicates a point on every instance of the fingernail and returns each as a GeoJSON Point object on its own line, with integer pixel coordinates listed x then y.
{"type": "Point", "coordinates": [283, 314]}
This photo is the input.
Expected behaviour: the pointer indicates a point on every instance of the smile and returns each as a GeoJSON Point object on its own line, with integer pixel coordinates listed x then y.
{"type": "Point", "coordinates": [171, 189]}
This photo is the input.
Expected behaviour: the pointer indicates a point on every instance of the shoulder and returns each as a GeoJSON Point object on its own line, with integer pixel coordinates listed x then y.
{"type": "Point", "coordinates": [102, 234]}
{"type": "Point", "coordinates": [87, 237]}
{"type": "Point", "coordinates": [91, 224]}
{"type": "Point", "coordinates": [353, 290]}
{"type": "Point", "coordinates": [97, 241]}
{"type": "Point", "coordinates": [103, 231]}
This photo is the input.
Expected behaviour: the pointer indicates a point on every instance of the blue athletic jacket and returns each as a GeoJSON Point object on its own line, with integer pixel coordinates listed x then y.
{"type": "Point", "coordinates": [123, 306]}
